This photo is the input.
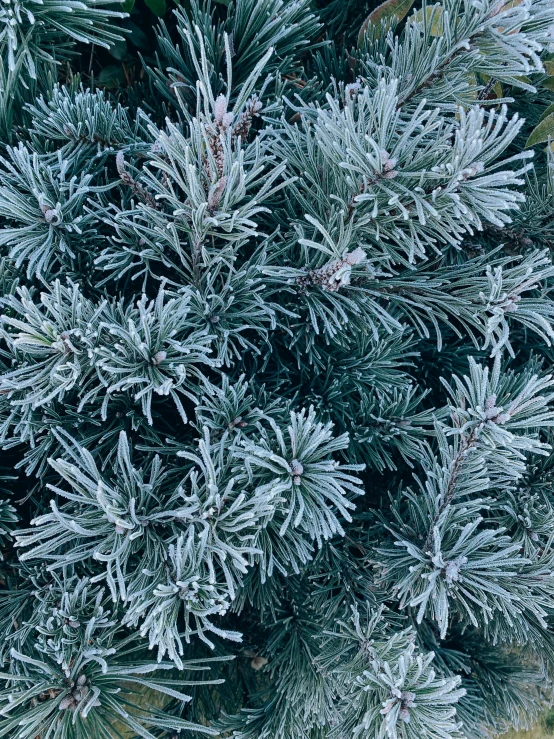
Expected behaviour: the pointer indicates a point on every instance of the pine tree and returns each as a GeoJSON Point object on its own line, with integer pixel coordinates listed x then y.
{"type": "Point", "coordinates": [276, 398]}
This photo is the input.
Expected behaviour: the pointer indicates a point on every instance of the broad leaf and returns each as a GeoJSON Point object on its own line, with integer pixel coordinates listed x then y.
{"type": "Point", "coordinates": [388, 10]}
{"type": "Point", "coordinates": [542, 132]}
{"type": "Point", "coordinates": [118, 49]}
{"type": "Point", "coordinates": [137, 36]}
{"type": "Point", "coordinates": [158, 7]}
{"type": "Point", "coordinates": [547, 112]}
{"type": "Point", "coordinates": [111, 76]}
{"type": "Point", "coordinates": [433, 15]}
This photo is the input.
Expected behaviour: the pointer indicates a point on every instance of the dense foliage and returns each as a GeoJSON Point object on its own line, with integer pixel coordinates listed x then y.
{"type": "Point", "coordinates": [276, 398]}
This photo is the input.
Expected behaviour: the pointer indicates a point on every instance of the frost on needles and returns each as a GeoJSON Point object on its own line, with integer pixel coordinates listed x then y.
{"type": "Point", "coordinates": [276, 398]}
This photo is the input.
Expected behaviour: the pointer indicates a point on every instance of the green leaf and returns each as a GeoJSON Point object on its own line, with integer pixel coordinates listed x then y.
{"type": "Point", "coordinates": [387, 10]}
{"type": "Point", "coordinates": [127, 5]}
{"type": "Point", "coordinates": [525, 80]}
{"type": "Point", "coordinates": [118, 49]}
{"type": "Point", "coordinates": [111, 76]}
{"type": "Point", "coordinates": [158, 7]}
{"type": "Point", "coordinates": [547, 112]}
{"type": "Point", "coordinates": [137, 36]}
{"type": "Point", "coordinates": [542, 132]}
{"type": "Point", "coordinates": [548, 83]}
{"type": "Point", "coordinates": [433, 15]}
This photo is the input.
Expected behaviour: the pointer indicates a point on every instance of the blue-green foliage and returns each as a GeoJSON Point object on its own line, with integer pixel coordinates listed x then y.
{"type": "Point", "coordinates": [276, 398]}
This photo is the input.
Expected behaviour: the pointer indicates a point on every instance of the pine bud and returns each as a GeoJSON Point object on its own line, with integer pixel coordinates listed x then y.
{"type": "Point", "coordinates": [404, 715]}
{"type": "Point", "coordinates": [120, 165]}
{"type": "Point", "coordinates": [452, 570]}
{"type": "Point", "coordinates": [220, 108]}
{"type": "Point", "coordinates": [355, 257]}
{"type": "Point", "coordinates": [52, 217]}
{"type": "Point", "coordinates": [227, 120]}
{"type": "Point", "coordinates": [351, 90]}
{"type": "Point", "coordinates": [258, 663]}
{"type": "Point", "coordinates": [216, 191]}
{"type": "Point", "coordinates": [159, 357]}
{"type": "Point", "coordinates": [387, 164]}
{"type": "Point", "coordinates": [296, 471]}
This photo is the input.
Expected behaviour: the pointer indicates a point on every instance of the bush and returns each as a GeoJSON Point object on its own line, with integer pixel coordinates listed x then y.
{"type": "Point", "coordinates": [276, 406]}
